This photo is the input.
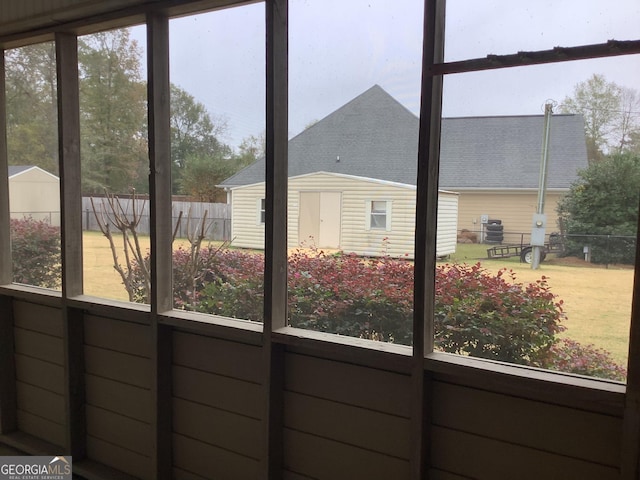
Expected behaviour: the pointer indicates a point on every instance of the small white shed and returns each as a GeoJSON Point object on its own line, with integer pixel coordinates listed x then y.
{"type": "Point", "coordinates": [328, 210]}
{"type": "Point", "coordinates": [35, 193]}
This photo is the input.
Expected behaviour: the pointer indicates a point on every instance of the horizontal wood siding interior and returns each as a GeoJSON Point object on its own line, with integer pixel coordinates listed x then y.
{"type": "Point", "coordinates": [115, 455]}
{"type": "Point", "coordinates": [345, 421]}
{"type": "Point", "coordinates": [39, 358]}
{"type": "Point", "coordinates": [36, 13]}
{"type": "Point", "coordinates": [217, 409]}
{"type": "Point", "coordinates": [118, 397]}
{"type": "Point", "coordinates": [502, 436]}
{"type": "Point", "coordinates": [514, 209]}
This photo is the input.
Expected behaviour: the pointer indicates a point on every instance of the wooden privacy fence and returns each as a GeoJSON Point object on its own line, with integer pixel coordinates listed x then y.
{"type": "Point", "coordinates": [218, 215]}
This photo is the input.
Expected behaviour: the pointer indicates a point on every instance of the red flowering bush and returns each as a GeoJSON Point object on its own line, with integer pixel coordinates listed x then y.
{"type": "Point", "coordinates": [494, 316]}
{"type": "Point", "coordinates": [35, 249]}
{"type": "Point", "coordinates": [236, 286]}
{"type": "Point", "coordinates": [349, 295]}
{"type": "Point", "coordinates": [476, 313]}
{"type": "Point", "coordinates": [569, 356]}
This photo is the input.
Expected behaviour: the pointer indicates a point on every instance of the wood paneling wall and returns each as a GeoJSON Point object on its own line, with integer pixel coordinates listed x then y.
{"type": "Point", "coordinates": [504, 436]}
{"type": "Point", "coordinates": [341, 420]}
{"type": "Point", "coordinates": [344, 421]}
{"type": "Point", "coordinates": [39, 360]}
{"type": "Point", "coordinates": [217, 408]}
{"type": "Point", "coordinates": [33, 14]}
{"type": "Point", "coordinates": [117, 379]}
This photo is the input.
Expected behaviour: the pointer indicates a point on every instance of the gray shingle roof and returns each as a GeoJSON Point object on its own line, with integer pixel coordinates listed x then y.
{"type": "Point", "coordinates": [375, 136]}
{"type": "Point", "coordinates": [16, 169]}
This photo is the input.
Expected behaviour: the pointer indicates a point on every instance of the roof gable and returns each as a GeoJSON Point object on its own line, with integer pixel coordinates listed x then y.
{"type": "Point", "coordinates": [15, 170]}
{"type": "Point", "coordinates": [375, 136]}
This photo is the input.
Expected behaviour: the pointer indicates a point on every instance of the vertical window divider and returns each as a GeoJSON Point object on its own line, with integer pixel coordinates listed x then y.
{"type": "Point", "coordinates": [425, 237]}
{"type": "Point", "coordinates": [161, 233]}
{"type": "Point", "coordinates": [6, 275]}
{"type": "Point", "coordinates": [8, 399]}
{"type": "Point", "coordinates": [68, 101]}
{"type": "Point", "coordinates": [276, 176]}
{"type": "Point", "coordinates": [630, 458]}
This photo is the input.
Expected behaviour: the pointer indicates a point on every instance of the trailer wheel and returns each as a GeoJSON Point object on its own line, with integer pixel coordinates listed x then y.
{"type": "Point", "coordinates": [526, 255]}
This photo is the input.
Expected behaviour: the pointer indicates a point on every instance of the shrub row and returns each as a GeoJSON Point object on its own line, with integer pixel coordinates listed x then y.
{"type": "Point", "coordinates": [476, 313]}
{"type": "Point", "coordinates": [35, 250]}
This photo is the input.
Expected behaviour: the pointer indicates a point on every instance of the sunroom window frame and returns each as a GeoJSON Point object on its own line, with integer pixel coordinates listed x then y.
{"type": "Point", "coordinates": [434, 69]}
{"type": "Point", "coordinates": [275, 336]}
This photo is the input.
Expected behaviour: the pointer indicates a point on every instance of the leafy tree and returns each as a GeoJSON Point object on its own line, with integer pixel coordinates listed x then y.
{"type": "Point", "coordinates": [194, 134]}
{"type": "Point", "coordinates": [201, 175]}
{"type": "Point", "coordinates": [610, 115]}
{"type": "Point", "coordinates": [629, 121]}
{"type": "Point", "coordinates": [31, 106]}
{"type": "Point", "coordinates": [113, 113]}
{"type": "Point", "coordinates": [113, 117]}
{"type": "Point", "coordinates": [251, 149]}
{"type": "Point", "coordinates": [604, 201]}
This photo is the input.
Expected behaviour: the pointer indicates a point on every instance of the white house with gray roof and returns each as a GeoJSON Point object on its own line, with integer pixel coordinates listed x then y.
{"type": "Point", "coordinates": [492, 162]}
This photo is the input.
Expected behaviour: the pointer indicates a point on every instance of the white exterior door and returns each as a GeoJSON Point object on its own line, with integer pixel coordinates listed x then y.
{"type": "Point", "coordinates": [319, 220]}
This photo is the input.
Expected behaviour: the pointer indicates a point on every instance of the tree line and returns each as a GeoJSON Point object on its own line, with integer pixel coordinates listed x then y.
{"type": "Point", "coordinates": [113, 116]}
{"type": "Point", "coordinates": [113, 121]}
{"type": "Point", "coordinates": [611, 115]}
{"type": "Point", "coordinates": [601, 209]}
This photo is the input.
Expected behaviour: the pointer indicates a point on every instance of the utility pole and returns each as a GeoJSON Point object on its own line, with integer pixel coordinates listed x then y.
{"type": "Point", "coordinates": [539, 218]}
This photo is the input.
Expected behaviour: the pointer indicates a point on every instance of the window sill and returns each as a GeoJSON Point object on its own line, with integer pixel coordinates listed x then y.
{"type": "Point", "coordinates": [576, 391]}
{"type": "Point", "coordinates": [42, 296]}
{"type": "Point", "coordinates": [232, 329]}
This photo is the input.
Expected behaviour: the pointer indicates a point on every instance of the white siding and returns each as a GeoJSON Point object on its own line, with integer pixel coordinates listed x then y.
{"type": "Point", "coordinates": [35, 194]}
{"type": "Point", "coordinates": [354, 235]}
{"type": "Point", "coordinates": [447, 233]}
{"type": "Point", "coordinates": [246, 229]}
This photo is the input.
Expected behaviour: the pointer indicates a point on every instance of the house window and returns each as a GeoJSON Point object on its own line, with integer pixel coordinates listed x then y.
{"type": "Point", "coordinates": [562, 318]}
{"type": "Point", "coordinates": [32, 151]}
{"type": "Point", "coordinates": [115, 164]}
{"type": "Point", "coordinates": [218, 132]}
{"type": "Point", "coordinates": [364, 146]}
{"type": "Point", "coordinates": [379, 215]}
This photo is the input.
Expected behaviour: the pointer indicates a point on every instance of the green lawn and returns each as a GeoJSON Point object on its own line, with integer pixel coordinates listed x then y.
{"type": "Point", "coordinates": [597, 300]}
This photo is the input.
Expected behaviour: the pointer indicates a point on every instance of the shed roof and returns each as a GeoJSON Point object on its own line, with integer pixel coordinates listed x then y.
{"type": "Point", "coordinates": [15, 170]}
{"type": "Point", "coordinates": [374, 136]}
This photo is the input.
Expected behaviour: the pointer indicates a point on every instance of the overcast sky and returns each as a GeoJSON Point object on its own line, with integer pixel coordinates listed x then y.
{"type": "Point", "coordinates": [339, 48]}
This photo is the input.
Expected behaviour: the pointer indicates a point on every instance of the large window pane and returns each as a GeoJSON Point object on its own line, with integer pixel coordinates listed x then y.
{"type": "Point", "coordinates": [34, 186]}
{"type": "Point", "coordinates": [217, 130]}
{"type": "Point", "coordinates": [353, 109]}
{"type": "Point", "coordinates": [115, 165]}
{"type": "Point", "coordinates": [570, 311]}
{"type": "Point", "coordinates": [476, 29]}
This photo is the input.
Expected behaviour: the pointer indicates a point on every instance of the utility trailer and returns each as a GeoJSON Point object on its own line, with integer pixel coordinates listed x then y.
{"type": "Point", "coordinates": [525, 252]}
